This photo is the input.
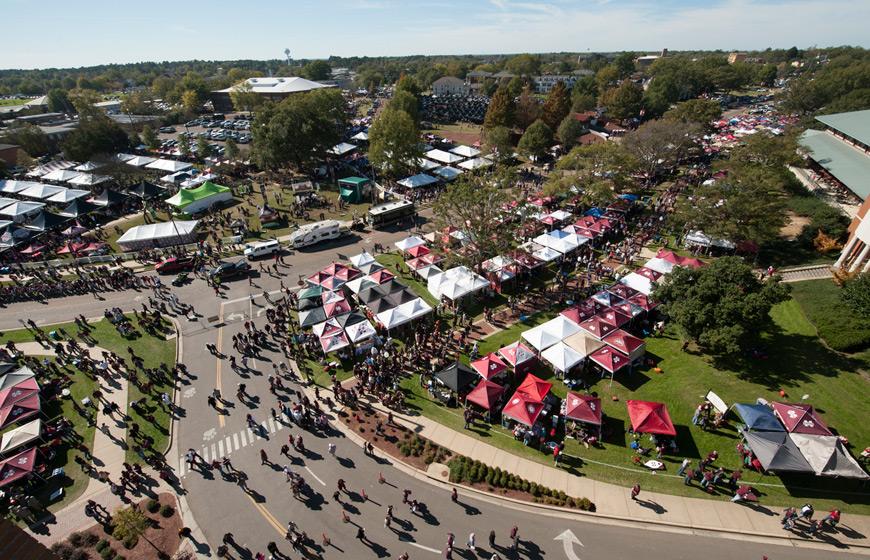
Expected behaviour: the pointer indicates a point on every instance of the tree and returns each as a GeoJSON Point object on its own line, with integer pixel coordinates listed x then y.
{"type": "Point", "coordinates": [557, 105]}
{"type": "Point", "coordinates": [583, 102]}
{"type": "Point", "coordinates": [658, 144]}
{"type": "Point", "coordinates": [191, 102]}
{"type": "Point", "coordinates": [203, 148]}
{"type": "Point", "coordinates": [244, 97]}
{"type": "Point", "coordinates": [624, 64]}
{"type": "Point", "coordinates": [184, 147]}
{"type": "Point", "coordinates": [23, 161]}
{"type": "Point", "coordinates": [316, 70]}
{"type": "Point", "coordinates": [524, 65]}
{"type": "Point", "coordinates": [722, 307]}
{"type": "Point", "coordinates": [745, 205]}
{"type": "Point", "coordinates": [701, 112]}
{"type": "Point", "coordinates": [97, 135]}
{"type": "Point", "coordinates": [488, 87]}
{"type": "Point", "coordinates": [768, 150]}
{"type": "Point", "coordinates": [600, 172]}
{"type": "Point", "coordinates": [139, 102]}
{"type": "Point", "coordinates": [407, 102]}
{"type": "Point", "coordinates": [149, 138]}
{"type": "Point", "coordinates": [135, 139]}
{"type": "Point", "coordinates": [497, 142]}
{"type": "Point", "coordinates": [515, 86]}
{"type": "Point", "coordinates": [394, 143]}
{"type": "Point", "coordinates": [410, 85]}
{"type": "Point", "coordinates": [626, 102]}
{"type": "Point", "coordinates": [536, 140]}
{"type": "Point", "coordinates": [767, 75]}
{"type": "Point", "coordinates": [856, 294]}
{"type": "Point", "coordinates": [231, 149]}
{"type": "Point", "coordinates": [473, 205]}
{"type": "Point", "coordinates": [607, 78]}
{"type": "Point", "coordinates": [58, 102]}
{"type": "Point", "coordinates": [128, 524]}
{"type": "Point", "coordinates": [569, 131]}
{"type": "Point", "coordinates": [29, 137]}
{"type": "Point", "coordinates": [298, 130]}
{"type": "Point", "coordinates": [528, 109]}
{"type": "Point", "coordinates": [501, 111]}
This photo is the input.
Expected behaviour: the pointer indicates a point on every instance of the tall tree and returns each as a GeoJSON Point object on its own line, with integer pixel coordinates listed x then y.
{"type": "Point", "coordinates": [58, 101]}
{"type": "Point", "coordinates": [536, 140]}
{"type": "Point", "coordinates": [244, 97]}
{"type": "Point", "coordinates": [135, 139]}
{"type": "Point", "coordinates": [497, 143]}
{"type": "Point", "coordinates": [524, 65]}
{"type": "Point", "coordinates": [557, 105]}
{"type": "Point", "coordinates": [600, 172]}
{"type": "Point", "coordinates": [31, 138]}
{"type": "Point", "coordinates": [626, 102]}
{"type": "Point", "coordinates": [394, 143]}
{"type": "Point", "coordinates": [410, 85]}
{"type": "Point", "coordinates": [231, 149]}
{"type": "Point", "coordinates": [569, 131]}
{"type": "Point", "coordinates": [722, 307]}
{"type": "Point", "coordinates": [184, 147]}
{"type": "Point", "coordinates": [856, 294]}
{"type": "Point", "coordinates": [150, 138]}
{"type": "Point", "coordinates": [515, 86]}
{"type": "Point", "coordinates": [407, 102]}
{"type": "Point", "coordinates": [203, 148]}
{"type": "Point", "coordinates": [658, 144]}
{"type": "Point", "coordinates": [501, 111]}
{"type": "Point", "coordinates": [528, 109]}
{"type": "Point", "coordinates": [316, 70]}
{"type": "Point", "coordinates": [701, 112]}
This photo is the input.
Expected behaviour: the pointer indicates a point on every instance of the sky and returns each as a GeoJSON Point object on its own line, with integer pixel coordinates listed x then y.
{"type": "Point", "coordinates": [62, 34]}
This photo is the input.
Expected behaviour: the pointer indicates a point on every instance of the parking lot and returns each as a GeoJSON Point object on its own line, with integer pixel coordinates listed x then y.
{"type": "Point", "coordinates": [216, 128]}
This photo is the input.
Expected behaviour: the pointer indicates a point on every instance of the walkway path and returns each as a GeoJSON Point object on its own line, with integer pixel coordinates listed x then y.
{"type": "Point", "coordinates": [816, 272]}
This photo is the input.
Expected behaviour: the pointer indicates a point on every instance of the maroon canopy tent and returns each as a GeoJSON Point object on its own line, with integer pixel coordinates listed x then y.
{"type": "Point", "coordinates": [583, 408]}
{"type": "Point", "coordinates": [626, 343]}
{"type": "Point", "coordinates": [17, 467]}
{"type": "Point", "coordinates": [523, 409]}
{"type": "Point", "coordinates": [485, 394]}
{"type": "Point", "coordinates": [520, 357]}
{"type": "Point", "coordinates": [489, 366]}
{"type": "Point", "coordinates": [22, 390]}
{"type": "Point", "coordinates": [614, 317]}
{"type": "Point", "coordinates": [597, 327]}
{"type": "Point", "coordinates": [22, 409]}
{"type": "Point", "coordinates": [578, 313]}
{"type": "Point", "coordinates": [534, 388]}
{"type": "Point", "coordinates": [650, 418]}
{"type": "Point", "coordinates": [801, 419]}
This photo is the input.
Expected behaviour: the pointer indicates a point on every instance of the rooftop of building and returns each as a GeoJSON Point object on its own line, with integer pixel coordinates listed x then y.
{"type": "Point", "coordinates": [848, 164]}
{"type": "Point", "coordinates": [855, 124]}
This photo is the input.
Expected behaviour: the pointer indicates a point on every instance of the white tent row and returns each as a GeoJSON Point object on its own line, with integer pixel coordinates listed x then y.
{"type": "Point", "coordinates": [551, 332]}
{"type": "Point", "coordinates": [448, 173]}
{"type": "Point", "coordinates": [152, 234]}
{"type": "Point", "coordinates": [9, 186]}
{"type": "Point", "coordinates": [88, 179]}
{"type": "Point", "coordinates": [419, 180]}
{"type": "Point", "coordinates": [61, 175]}
{"type": "Point", "coordinates": [638, 282]}
{"type": "Point", "coordinates": [465, 151]}
{"type": "Point", "coordinates": [139, 161]}
{"type": "Point", "coordinates": [40, 191]}
{"type": "Point", "coordinates": [341, 149]}
{"type": "Point", "coordinates": [443, 157]}
{"type": "Point", "coordinates": [476, 163]}
{"type": "Point", "coordinates": [455, 283]}
{"type": "Point", "coordinates": [169, 165]}
{"type": "Point", "coordinates": [660, 265]}
{"type": "Point", "coordinates": [409, 242]}
{"type": "Point", "coordinates": [700, 238]}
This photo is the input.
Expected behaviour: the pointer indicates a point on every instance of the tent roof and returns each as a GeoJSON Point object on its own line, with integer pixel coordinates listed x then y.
{"type": "Point", "coordinates": [19, 208]}
{"type": "Point", "coordinates": [169, 165]}
{"type": "Point", "coordinates": [539, 338]}
{"type": "Point", "coordinates": [11, 186]}
{"type": "Point", "coordinates": [759, 417]}
{"type": "Point", "coordinates": [13, 378]}
{"type": "Point", "coordinates": [776, 452]}
{"type": "Point", "coordinates": [407, 242]}
{"type": "Point", "coordinates": [447, 172]}
{"type": "Point", "coordinates": [392, 318]}
{"type": "Point", "coordinates": [486, 394]}
{"type": "Point", "coordinates": [561, 327]}
{"type": "Point", "coordinates": [827, 456]}
{"type": "Point", "coordinates": [443, 157]}
{"type": "Point", "coordinates": [21, 436]}
{"type": "Point", "coordinates": [363, 258]}
{"type": "Point", "coordinates": [597, 327]}
{"type": "Point", "coordinates": [16, 467]}
{"type": "Point", "coordinates": [40, 191]}
{"type": "Point", "coordinates": [158, 231]}
{"type": "Point", "coordinates": [311, 316]}
{"type": "Point", "coordinates": [610, 359]}
{"type": "Point", "coordinates": [523, 409]}
{"type": "Point", "coordinates": [109, 197]}
{"type": "Point", "coordinates": [534, 387]}
{"type": "Point", "coordinates": [583, 408]}
{"type": "Point", "coordinates": [184, 197]}
{"type": "Point", "coordinates": [68, 195]}
{"type": "Point", "coordinates": [19, 391]}
{"type": "Point", "coordinates": [88, 179]}
{"type": "Point", "coordinates": [146, 189]}
{"type": "Point", "coordinates": [327, 328]}
{"type": "Point", "coordinates": [21, 409]}
{"type": "Point", "coordinates": [419, 180]}
{"type": "Point", "coordinates": [334, 343]}
{"type": "Point", "coordinates": [457, 376]}
{"type": "Point", "coordinates": [583, 343]}
{"type": "Point", "coordinates": [562, 356]}
{"type": "Point", "coordinates": [517, 353]}
{"type": "Point", "coordinates": [359, 331]}
{"type": "Point", "coordinates": [341, 149]}
{"type": "Point", "coordinates": [417, 307]}
{"type": "Point", "coordinates": [79, 207]}
{"type": "Point", "coordinates": [489, 366]}
{"type": "Point", "coordinates": [465, 151]}
{"type": "Point", "coordinates": [45, 221]}
{"type": "Point", "coordinates": [650, 418]}
{"type": "Point", "coordinates": [800, 418]}
{"type": "Point", "coordinates": [624, 342]}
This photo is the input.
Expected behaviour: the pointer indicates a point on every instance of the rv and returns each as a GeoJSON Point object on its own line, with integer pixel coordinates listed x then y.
{"type": "Point", "coordinates": [389, 212]}
{"type": "Point", "coordinates": [309, 234]}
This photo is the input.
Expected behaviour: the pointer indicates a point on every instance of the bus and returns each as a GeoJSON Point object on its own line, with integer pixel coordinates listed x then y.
{"type": "Point", "coordinates": [390, 212]}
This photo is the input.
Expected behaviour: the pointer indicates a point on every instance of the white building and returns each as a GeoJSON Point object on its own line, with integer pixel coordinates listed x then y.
{"type": "Point", "coordinates": [448, 85]}
{"type": "Point", "coordinates": [543, 84]}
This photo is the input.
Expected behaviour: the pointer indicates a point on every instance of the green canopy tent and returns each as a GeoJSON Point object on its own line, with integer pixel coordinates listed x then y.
{"type": "Point", "coordinates": [205, 196]}
{"type": "Point", "coordinates": [353, 189]}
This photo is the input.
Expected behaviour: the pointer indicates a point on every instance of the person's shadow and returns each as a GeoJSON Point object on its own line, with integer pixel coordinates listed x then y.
{"type": "Point", "coordinates": [655, 507]}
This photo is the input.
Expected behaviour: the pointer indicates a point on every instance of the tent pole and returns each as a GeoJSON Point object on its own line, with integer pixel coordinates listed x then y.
{"type": "Point", "coordinates": [611, 378]}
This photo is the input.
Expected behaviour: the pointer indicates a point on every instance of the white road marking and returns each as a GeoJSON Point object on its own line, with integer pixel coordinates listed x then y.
{"type": "Point", "coordinates": [272, 429]}
{"type": "Point", "coordinates": [412, 543]}
{"type": "Point", "coordinates": [221, 448]}
{"type": "Point", "coordinates": [315, 476]}
{"type": "Point", "coordinates": [242, 435]}
{"type": "Point", "coordinates": [229, 446]}
{"type": "Point", "coordinates": [213, 452]}
{"type": "Point", "coordinates": [568, 539]}
{"type": "Point", "coordinates": [251, 435]}
{"type": "Point", "coordinates": [236, 441]}
{"type": "Point", "coordinates": [204, 454]}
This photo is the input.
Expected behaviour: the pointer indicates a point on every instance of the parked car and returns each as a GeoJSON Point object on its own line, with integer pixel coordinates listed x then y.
{"type": "Point", "coordinates": [267, 248]}
{"type": "Point", "coordinates": [167, 129]}
{"type": "Point", "coordinates": [230, 269]}
{"type": "Point", "coordinates": [174, 264]}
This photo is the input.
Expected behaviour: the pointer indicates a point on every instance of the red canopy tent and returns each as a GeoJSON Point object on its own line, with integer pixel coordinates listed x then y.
{"type": "Point", "coordinates": [332, 283]}
{"type": "Point", "coordinates": [614, 317]}
{"type": "Point", "coordinates": [20, 410]}
{"type": "Point", "coordinates": [333, 269]}
{"type": "Point", "coordinates": [643, 302]}
{"type": "Point", "coordinates": [318, 278]}
{"type": "Point", "coordinates": [418, 251]}
{"type": "Point", "coordinates": [17, 467]}
{"type": "Point", "coordinates": [382, 276]}
{"type": "Point", "coordinates": [489, 366]}
{"type": "Point", "coordinates": [335, 308]}
{"type": "Point", "coordinates": [520, 357]}
{"type": "Point", "coordinates": [669, 256]}
{"type": "Point", "coordinates": [650, 418]}
{"type": "Point", "coordinates": [584, 222]}
{"type": "Point", "coordinates": [626, 343]}
{"type": "Point", "coordinates": [18, 392]}
{"type": "Point", "coordinates": [649, 273]}
{"type": "Point", "coordinates": [583, 408]}
{"type": "Point", "coordinates": [801, 419]}
{"type": "Point", "coordinates": [485, 394]}
{"type": "Point", "coordinates": [693, 262]}
{"type": "Point", "coordinates": [597, 327]}
{"type": "Point", "coordinates": [347, 273]}
{"type": "Point", "coordinates": [534, 387]}
{"type": "Point", "coordinates": [578, 313]}
{"type": "Point", "coordinates": [610, 359]}
{"type": "Point", "coordinates": [523, 409]}
{"type": "Point", "coordinates": [622, 291]}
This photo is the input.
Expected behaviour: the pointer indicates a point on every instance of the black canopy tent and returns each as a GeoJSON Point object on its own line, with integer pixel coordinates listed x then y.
{"type": "Point", "coordinates": [147, 190]}
{"type": "Point", "coordinates": [79, 207]}
{"type": "Point", "coordinates": [45, 221]}
{"type": "Point", "coordinates": [109, 197]}
{"type": "Point", "coordinates": [457, 376]}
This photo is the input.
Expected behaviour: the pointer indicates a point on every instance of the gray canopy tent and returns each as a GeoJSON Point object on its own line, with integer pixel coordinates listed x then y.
{"type": "Point", "coordinates": [827, 456]}
{"type": "Point", "coordinates": [776, 452]}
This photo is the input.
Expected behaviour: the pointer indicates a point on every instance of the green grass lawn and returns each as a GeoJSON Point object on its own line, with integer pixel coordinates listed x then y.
{"type": "Point", "coordinates": [839, 326]}
{"type": "Point", "coordinates": [6, 102]}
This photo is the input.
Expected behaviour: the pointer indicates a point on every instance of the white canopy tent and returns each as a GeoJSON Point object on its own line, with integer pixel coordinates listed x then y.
{"type": "Point", "coordinates": [540, 339]}
{"type": "Point", "coordinates": [68, 195]}
{"type": "Point", "coordinates": [61, 175]}
{"type": "Point", "coordinates": [341, 149]}
{"type": "Point", "coordinates": [427, 164]}
{"type": "Point", "coordinates": [140, 161]}
{"type": "Point", "coordinates": [43, 170]}
{"type": "Point", "coordinates": [443, 157]}
{"type": "Point", "coordinates": [660, 265]}
{"type": "Point", "coordinates": [560, 215]}
{"type": "Point", "coordinates": [23, 435]}
{"type": "Point", "coordinates": [455, 283]}
{"type": "Point", "coordinates": [89, 166]}
{"type": "Point", "coordinates": [41, 191]}
{"type": "Point", "coordinates": [561, 327]}
{"type": "Point", "coordinates": [169, 165]}
{"type": "Point", "coordinates": [159, 235]}
{"type": "Point", "coordinates": [547, 254]}
{"type": "Point", "coordinates": [360, 331]}
{"type": "Point", "coordinates": [428, 271]}
{"type": "Point", "coordinates": [639, 282]}
{"type": "Point", "coordinates": [362, 259]}
{"type": "Point", "coordinates": [363, 136]}
{"type": "Point", "coordinates": [409, 243]}
{"type": "Point", "coordinates": [448, 173]}
{"type": "Point", "coordinates": [419, 180]}
{"type": "Point", "coordinates": [392, 318]}
{"type": "Point", "coordinates": [465, 151]}
{"type": "Point", "coordinates": [88, 179]}
{"type": "Point", "coordinates": [476, 163]}
{"type": "Point", "coordinates": [9, 186]}
{"type": "Point", "coordinates": [561, 356]}
{"type": "Point", "coordinates": [122, 158]}
{"type": "Point", "coordinates": [17, 209]}
{"type": "Point", "coordinates": [415, 308]}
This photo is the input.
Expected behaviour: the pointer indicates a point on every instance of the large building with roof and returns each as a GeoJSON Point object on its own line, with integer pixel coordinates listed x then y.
{"type": "Point", "coordinates": [273, 89]}
{"type": "Point", "coordinates": [842, 151]}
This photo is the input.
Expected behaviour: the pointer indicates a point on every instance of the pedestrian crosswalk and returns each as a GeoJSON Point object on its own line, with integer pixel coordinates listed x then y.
{"type": "Point", "coordinates": [223, 446]}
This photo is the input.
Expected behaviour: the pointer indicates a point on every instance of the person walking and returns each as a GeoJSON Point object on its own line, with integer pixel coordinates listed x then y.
{"type": "Point", "coordinates": [492, 539]}
{"type": "Point", "coordinates": [470, 543]}
{"type": "Point", "coordinates": [331, 449]}
{"type": "Point", "coordinates": [454, 496]}
{"type": "Point", "coordinates": [241, 483]}
{"type": "Point", "coordinates": [683, 467]}
{"type": "Point", "coordinates": [635, 490]}
{"type": "Point", "coordinates": [264, 459]}
{"type": "Point", "coordinates": [361, 534]}
{"type": "Point", "coordinates": [212, 402]}
{"type": "Point", "coordinates": [387, 521]}
{"type": "Point", "coordinates": [515, 537]}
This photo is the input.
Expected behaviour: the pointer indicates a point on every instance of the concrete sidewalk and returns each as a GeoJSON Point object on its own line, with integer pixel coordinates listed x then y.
{"type": "Point", "coordinates": [756, 521]}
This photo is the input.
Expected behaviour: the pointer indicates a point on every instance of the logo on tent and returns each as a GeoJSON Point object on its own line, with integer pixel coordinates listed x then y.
{"type": "Point", "coordinates": [808, 423]}
{"type": "Point", "coordinates": [792, 414]}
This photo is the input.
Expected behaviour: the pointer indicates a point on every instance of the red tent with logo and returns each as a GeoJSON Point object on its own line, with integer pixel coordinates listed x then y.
{"type": "Point", "coordinates": [610, 359]}
{"type": "Point", "coordinates": [22, 390]}
{"type": "Point", "coordinates": [534, 387]}
{"type": "Point", "coordinates": [333, 269]}
{"type": "Point", "coordinates": [643, 302]}
{"type": "Point", "coordinates": [489, 366]}
{"type": "Point", "coordinates": [523, 409]}
{"type": "Point", "coordinates": [801, 419]}
{"type": "Point", "coordinates": [418, 251]}
{"type": "Point", "coordinates": [626, 343]}
{"type": "Point", "coordinates": [623, 291]}
{"type": "Point", "coordinates": [20, 410]}
{"type": "Point", "coordinates": [347, 273]}
{"type": "Point", "coordinates": [669, 256]}
{"type": "Point", "coordinates": [650, 418]}
{"type": "Point", "coordinates": [583, 408]}
{"type": "Point", "coordinates": [597, 327]}
{"type": "Point", "coordinates": [578, 313]}
{"type": "Point", "coordinates": [17, 467]}
{"type": "Point", "coordinates": [382, 276]}
{"type": "Point", "coordinates": [520, 357]}
{"type": "Point", "coordinates": [614, 317]}
{"type": "Point", "coordinates": [485, 394]}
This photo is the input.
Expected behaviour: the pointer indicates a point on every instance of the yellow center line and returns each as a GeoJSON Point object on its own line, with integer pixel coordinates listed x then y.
{"type": "Point", "coordinates": [268, 516]}
{"type": "Point", "coordinates": [220, 406]}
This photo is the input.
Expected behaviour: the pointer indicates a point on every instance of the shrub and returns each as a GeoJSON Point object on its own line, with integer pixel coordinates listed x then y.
{"type": "Point", "coordinates": [77, 539]}
{"type": "Point", "coordinates": [525, 486]}
{"type": "Point", "coordinates": [166, 511]}
{"type": "Point", "coordinates": [488, 477]}
{"type": "Point", "coordinates": [80, 554]}
{"type": "Point", "coordinates": [503, 480]}
{"type": "Point", "coordinates": [107, 553]}
{"type": "Point", "coordinates": [561, 495]}
{"type": "Point", "coordinates": [130, 542]}
{"type": "Point", "coordinates": [63, 550]}
{"type": "Point", "coordinates": [533, 488]}
{"type": "Point", "coordinates": [119, 557]}
{"type": "Point", "coordinates": [103, 543]}
{"type": "Point", "coordinates": [428, 459]}
{"type": "Point", "coordinates": [90, 539]}
{"type": "Point", "coordinates": [152, 506]}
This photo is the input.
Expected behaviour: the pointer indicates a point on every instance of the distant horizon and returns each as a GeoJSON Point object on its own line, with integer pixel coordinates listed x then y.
{"type": "Point", "coordinates": [106, 33]}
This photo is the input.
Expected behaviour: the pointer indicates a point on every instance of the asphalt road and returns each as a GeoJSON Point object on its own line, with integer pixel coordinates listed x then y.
{"type": "Point", "coordinates": [260, 516]}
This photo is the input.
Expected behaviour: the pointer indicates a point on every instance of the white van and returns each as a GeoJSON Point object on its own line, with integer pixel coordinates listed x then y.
{"type": "Point", "coordinates": [267, 248]}
{"type": "Point", "coordinates": [309, 234]}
